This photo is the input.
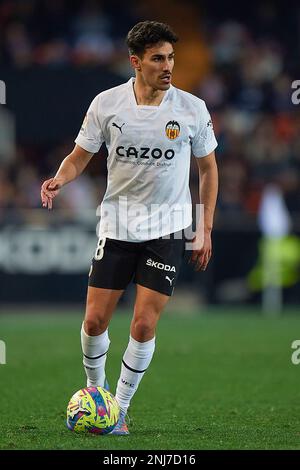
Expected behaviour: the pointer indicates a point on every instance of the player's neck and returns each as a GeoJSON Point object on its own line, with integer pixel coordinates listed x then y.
{"type": "Point", "coordinates": [146, 95]}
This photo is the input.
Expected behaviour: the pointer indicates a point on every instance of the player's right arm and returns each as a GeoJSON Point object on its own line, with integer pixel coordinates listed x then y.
{"type": "Point", "coordinates": [71, 167]}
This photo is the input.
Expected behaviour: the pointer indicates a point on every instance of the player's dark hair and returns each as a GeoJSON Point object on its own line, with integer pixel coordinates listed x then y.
{"type": "Point", "coordinates": [146, 34]}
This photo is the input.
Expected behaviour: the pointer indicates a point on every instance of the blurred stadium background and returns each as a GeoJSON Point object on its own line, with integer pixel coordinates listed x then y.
{"type": "Point", "coordinates": [55, 56]}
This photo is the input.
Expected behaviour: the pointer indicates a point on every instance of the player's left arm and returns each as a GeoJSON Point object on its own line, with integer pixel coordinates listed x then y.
{"type": "Point", "coordinates": [208, 190]}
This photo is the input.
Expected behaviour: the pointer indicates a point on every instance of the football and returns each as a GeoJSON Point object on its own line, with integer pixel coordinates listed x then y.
{"type": "Point", "coordinates": [94, 410]}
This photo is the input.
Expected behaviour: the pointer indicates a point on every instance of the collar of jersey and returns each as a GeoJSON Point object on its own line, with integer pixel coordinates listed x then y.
{"type": "Point", "coordinates": [144, 106]}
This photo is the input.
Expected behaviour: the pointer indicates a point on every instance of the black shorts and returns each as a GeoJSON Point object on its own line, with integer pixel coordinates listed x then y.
{"type": "Point", "coordinates": [154, 263]}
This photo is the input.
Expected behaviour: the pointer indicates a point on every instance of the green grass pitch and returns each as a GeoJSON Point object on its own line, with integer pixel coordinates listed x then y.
{"type": "Point", "coordinates": [217, 381]}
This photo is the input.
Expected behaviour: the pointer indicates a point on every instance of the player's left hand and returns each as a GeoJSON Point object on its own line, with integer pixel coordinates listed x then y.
{"type": "Point", "coordinates": [201, 256]}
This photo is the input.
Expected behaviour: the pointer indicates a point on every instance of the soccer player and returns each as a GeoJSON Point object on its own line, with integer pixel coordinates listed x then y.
{"type": "Point", "coordinates": [150, 129]}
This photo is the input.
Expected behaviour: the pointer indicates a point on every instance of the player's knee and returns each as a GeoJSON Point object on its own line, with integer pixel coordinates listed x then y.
{"type": "Point", "coordinates": [94, 326]}
{"type": "Point", "coordinates": [143, 327]}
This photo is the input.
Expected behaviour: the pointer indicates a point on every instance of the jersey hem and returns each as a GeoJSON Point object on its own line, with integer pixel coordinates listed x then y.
{"type": "Point", "coordinates": [113, 236]}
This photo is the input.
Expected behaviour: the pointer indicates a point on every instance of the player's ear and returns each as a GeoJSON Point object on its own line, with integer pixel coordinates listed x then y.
{"type": "Point", "coordinates": [135, 62]}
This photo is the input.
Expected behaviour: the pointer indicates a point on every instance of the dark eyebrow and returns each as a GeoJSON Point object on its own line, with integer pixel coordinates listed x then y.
{"type": "Point", "coordinates": [162, 55]}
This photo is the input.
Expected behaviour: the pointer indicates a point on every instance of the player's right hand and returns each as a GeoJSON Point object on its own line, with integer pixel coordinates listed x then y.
{"type": "Point", "coordinates": [49, 190]}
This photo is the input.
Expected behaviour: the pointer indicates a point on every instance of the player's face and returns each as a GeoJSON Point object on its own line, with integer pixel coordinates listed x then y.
{"type": "Point", "coordinates": [156, 66]}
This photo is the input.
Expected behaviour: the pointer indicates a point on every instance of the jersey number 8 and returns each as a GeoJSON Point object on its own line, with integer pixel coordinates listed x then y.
{"type": "Point", "coordinates": [100, 249]}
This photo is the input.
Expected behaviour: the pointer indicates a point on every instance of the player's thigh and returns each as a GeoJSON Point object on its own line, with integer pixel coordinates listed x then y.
{"type": "Point", "coordinates": [149, 300]}
{"type": "Point", "coordinates": [148, 307]}
{"type": "Point", "coordinates": [100, 305]}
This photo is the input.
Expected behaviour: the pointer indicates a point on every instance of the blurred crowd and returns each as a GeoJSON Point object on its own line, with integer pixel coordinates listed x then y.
{"type": "Point", "coordinates": [248, 92]}
{"type": "Point", "coordinates": [60, 32]}
{"type": "Point", "coordinates": [247, 89]}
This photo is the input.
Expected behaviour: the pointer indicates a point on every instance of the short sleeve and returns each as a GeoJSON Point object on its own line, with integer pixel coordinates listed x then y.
{"type": "Point", "coordinates": [204, 141]}
{"type": "Point", "coordinates": [90, 136]}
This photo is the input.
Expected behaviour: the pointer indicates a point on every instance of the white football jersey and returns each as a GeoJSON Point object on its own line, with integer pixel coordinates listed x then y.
{"type": "Point", "coordinates": [149, 152]}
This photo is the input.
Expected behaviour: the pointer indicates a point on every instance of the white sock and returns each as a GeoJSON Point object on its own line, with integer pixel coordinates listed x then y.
{"type": "Point", "coordinates": [94, 350]}
{"type": "Point", "coordinates": [136, 360]}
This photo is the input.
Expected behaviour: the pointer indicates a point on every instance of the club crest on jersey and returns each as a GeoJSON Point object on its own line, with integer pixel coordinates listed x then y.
{"type": "Point", "coordinates": [172, 130]}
